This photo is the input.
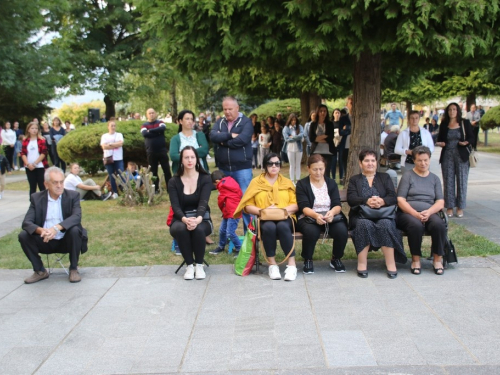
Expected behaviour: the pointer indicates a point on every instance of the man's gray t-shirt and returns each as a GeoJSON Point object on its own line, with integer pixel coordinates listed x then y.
{"type": "Point", "coordinates": [420, 192]}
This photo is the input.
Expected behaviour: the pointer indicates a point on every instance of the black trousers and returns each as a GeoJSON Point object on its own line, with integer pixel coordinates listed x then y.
{"type": "Point", "coordinates": [35, 178]}
{"type": "Point", "coordinates": [312, 231]}
{"type": "Point", "coordinates": [33, 245]}
{"type": "Point", "coordinates": [271, 231]}
{"type": "Point", "coordinates": [475, 131]}
{"type": "Point", "coordinates": [159, 157]}
{"type": "Point", "coordinates": [9, 154]}
{"type": "Point", "coordinates": [191, 241]}
{"type": "Point", "coordinates": [415, 230]}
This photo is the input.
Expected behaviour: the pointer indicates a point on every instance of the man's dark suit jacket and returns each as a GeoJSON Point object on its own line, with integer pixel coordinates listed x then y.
{"type": "Point", "coordinates": [71, 212]}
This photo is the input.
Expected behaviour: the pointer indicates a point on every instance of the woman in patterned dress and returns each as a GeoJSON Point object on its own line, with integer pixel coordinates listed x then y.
{"type": "Point", "coordinates": [455, 137]}
{"type": "Point", "coordinates": [374, 190]}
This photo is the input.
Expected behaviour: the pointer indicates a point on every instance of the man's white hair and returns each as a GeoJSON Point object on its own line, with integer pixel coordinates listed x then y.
{"type": "Point", "coordinates": [50, 170]}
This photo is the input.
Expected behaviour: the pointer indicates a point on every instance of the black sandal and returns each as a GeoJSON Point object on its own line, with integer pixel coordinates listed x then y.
{"type": "Point", "coordinates": [438, 271]}
{"type": "Point", "coordinates": [415, 271]}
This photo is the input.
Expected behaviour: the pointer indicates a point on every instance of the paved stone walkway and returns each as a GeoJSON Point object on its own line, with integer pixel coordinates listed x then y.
{"type": "Point", "coordinates": [145, 320]}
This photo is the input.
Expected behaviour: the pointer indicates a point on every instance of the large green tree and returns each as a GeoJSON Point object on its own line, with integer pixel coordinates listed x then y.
{"type": "Point", "coordinates": [330, 38]}
{"type": "Point", "coordinates": [27, 68]}
{"type": "Point", "coordinates": [101, 40]}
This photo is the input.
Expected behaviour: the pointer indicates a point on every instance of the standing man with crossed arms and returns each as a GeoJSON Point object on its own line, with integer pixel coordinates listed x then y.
{"type": "Point", "coordinates": [233, 136]}
{"type": "Point", "coordinates": [153, 132]}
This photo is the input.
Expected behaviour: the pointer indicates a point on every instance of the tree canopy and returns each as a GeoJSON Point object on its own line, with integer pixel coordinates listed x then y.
{"type": "Point", "coordinates": [323, 42]}
{"type": "Point", "coordinates": [100, 41]}
{"type": "Point", "coordinates": [28, 70]}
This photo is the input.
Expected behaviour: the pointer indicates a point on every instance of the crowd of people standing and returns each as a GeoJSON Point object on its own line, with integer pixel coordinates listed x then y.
{"type": "Point", "coordinates": [312, 203]}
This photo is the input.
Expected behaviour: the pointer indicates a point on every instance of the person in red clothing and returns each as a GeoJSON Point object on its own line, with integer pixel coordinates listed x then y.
{"type": "Point", "coordinates": [34, 154]}
{"type": "Point", "coordinates": [229, 197]}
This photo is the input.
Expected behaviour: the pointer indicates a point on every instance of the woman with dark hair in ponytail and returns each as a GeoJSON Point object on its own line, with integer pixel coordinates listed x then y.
{"type": "Point", "coordinates": [189, 192]}
{"type": "Point", "coordinates": [187, 136]}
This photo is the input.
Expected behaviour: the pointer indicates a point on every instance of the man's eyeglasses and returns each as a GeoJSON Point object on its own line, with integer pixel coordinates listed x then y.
{"type": "Point", "coordinates": [274, 164]}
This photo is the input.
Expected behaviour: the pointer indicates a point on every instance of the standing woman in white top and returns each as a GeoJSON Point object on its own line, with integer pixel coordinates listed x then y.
{"type": "Point", "coordinates": [111, 144]}
{"type": "Point", "coordinates": [8, 142]}
{"type": "Point", "coordinates": [34, 154]}
{"type": "Point", "coordinates": [410, 138]}
{"type": "Point", "coordinates": [293, 133]}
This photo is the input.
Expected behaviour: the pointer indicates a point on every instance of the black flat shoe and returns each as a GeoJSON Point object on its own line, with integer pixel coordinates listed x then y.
{"type": "Point", "coordinates": [363, 274]}
{"type": "Point", "coordinates": [392, 274]}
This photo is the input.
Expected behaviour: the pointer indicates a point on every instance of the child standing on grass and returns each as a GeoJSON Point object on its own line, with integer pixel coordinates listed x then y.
{"type": "Point", "coordinates": [229, 197]}
{"type": "Point", "coordinates": [4, 168]}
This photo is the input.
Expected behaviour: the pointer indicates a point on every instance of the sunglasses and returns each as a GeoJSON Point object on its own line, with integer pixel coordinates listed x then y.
{"type": "Point", "coordinates": [274, 164]}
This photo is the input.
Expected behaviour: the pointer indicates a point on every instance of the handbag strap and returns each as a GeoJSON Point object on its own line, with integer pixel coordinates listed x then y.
{"type": "Point", "coordinates": [263, 251]}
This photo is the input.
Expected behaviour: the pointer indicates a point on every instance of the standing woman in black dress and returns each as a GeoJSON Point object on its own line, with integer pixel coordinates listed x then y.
{"type": "Point", "coordinates": [321, 133]}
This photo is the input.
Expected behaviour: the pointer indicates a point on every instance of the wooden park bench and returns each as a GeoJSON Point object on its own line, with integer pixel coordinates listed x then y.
{"type": "Point", "coordinates": [343, 199]}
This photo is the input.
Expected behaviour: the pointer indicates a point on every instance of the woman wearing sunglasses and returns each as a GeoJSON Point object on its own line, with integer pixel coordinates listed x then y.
{"type": "Point", "coordinates": [272, 190]}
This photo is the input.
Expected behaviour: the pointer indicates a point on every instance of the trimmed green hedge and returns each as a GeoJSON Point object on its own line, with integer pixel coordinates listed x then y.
{"type": "Point", "coordinates": [83, 144]}
{"type": "Point", "coordinates": [491, 119]}
{"type": "Point", "coordinates": [286, 107]}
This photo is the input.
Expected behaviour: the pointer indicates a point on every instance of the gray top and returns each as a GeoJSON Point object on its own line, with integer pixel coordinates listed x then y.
{"type": "Point", "coordinates": [420, 192]}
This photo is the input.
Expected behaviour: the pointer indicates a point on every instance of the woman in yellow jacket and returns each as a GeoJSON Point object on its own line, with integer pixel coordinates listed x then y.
{"type": "Point", "coordinates": [272, 190]}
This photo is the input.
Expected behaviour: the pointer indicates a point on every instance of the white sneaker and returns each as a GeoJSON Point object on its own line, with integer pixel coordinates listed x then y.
{"type": "Point", "coordinates": [200, 272]}
{"type": "Point", "coordinates": [189, 275]}
{"type": "Point", "coordinates": [274, 272]}
{"type": "Point", "coordinates": [22, 169]}
{"type": "Point", "coordinates": [16, 168]}
{"type": "Point", "coordinates": [290, 273]}
{"type": "Point", "coordinates": [114, 196]}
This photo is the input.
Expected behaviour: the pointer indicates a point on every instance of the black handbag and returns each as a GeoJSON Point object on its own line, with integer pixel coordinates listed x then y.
{"type": "Point", "coordinates": [336, 218]}
{"type": "Point", "coordinates": [450, 255]}
{"type": "Point", "coordinates": [386, 212]}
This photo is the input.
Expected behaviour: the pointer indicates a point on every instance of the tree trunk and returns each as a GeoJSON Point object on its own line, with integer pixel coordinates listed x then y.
{"type": "Point", "coordinates": [471, 99]}
{"type": "Point", "coordinates": [365, 131]}
{"type": "Point", "coordinates": [110, 107]}
{"type": "Point", "coordinates": [309, 101]}
{"type": "Point", "coordinates": [409, 108]}
{"type": "Point", "coordinates": [173, 98]}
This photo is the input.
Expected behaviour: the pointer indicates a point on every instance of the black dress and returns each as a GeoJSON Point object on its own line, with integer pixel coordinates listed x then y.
{"type": "Point", "coordinates": [378, 233]}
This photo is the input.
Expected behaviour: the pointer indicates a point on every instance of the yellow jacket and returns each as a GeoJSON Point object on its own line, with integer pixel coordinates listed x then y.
{"type": "Point", "coordinates": [262, 194]}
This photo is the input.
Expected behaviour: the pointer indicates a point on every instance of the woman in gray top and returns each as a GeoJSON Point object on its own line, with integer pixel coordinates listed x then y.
{"type": "Point", "coordinates": [420, 198]}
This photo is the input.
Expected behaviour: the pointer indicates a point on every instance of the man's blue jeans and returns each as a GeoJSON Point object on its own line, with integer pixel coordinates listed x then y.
{"type": "Point", "coordinates": [228, 229]}
{"type": "Point", "coordinates": [243, 178]}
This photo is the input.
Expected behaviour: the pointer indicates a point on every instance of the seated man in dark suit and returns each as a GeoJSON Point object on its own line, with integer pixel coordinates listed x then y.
{"type": "Point", "coordinates": [53, 224]}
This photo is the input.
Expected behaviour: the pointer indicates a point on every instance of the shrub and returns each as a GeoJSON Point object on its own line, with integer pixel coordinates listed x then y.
{"type": "Point", "coordinates": [84, 144]}
{"type": "Point", "coordinates": [286, 107]}
{"type": "Point", "coordinates": [491, 119]}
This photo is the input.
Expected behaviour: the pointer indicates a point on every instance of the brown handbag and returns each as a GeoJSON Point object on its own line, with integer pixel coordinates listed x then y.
{"type": "Point", "coordinates": [274, 214]}
{"type": "Point", "coordinates": [108, 160]}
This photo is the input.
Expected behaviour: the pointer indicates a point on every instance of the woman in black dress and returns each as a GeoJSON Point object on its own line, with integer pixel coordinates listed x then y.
{"type": "Point", "coordinates": [374, 190]}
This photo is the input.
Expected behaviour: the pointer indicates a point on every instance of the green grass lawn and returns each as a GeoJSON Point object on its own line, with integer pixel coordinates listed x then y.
{"type": "Point", "coordinates": [138, 236]}
{"type": "Point", "coordinates": [493, 141]}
